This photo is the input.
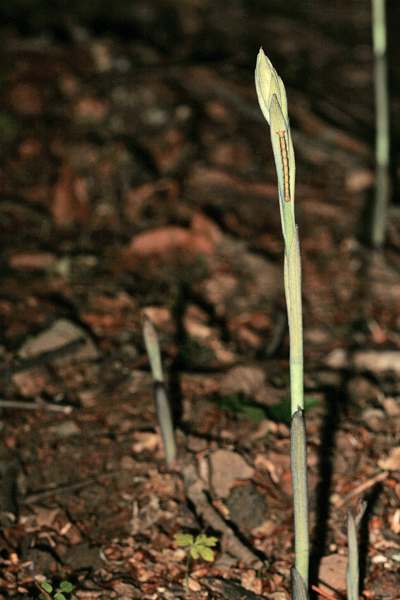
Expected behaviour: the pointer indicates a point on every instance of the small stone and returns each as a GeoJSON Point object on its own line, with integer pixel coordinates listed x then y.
{"type": "Point", "coordinates": [194, 586]}
{"type": "Point", "coordinates": [242, 380]}
{"type": "Point", "coordinates": [196, 444]}
{"type": "Point", "coordinates": [391, 406]}
{"type": "Point", "coordinates": [226, 468]}
{"type": "Point", "coordinates": [337, 359]}
{"type": "Point", "coordinates": [247, 507]}
{"type": "Point", "coordinates": [65, 429]}
{"type": "Point", "coordinates": [392, 463]}
{"type": "Point", "coordinates": [42, 559]}
{"type": "Point", "coordinates": [88, 397]}
{"type": "Point", "coordinates": [374, 418]}
{"type": "Point", "coordinates": [82, 556]}
{"type": "Point", "coordinates": [332, 573]}
{"type": "Point", "coordinates": [378, 362]}
{"type": "Point", "coordinates": [59, 335]}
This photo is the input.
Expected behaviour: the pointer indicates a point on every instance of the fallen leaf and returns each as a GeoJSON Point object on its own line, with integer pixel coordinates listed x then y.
{"type": "Point", "coordinates": [88, 109]}
{"type": "Point", "coordinates": [33, 260]}
{"type": "Point", "coordinates": [26, 99]}
{"type": "Point", "coordinates": [392, 462]}
{"type": "Point", "coordinates": [70, 203]}
{"type": "Point", "coordinates": [251, 582]}
{"type": "Point", "coordinates": [146, 441]}
{"type": "Point", "coordinates": [194, 586]}
{"type": "Point", "coordinates": [167, 239]}
{"type": "Point", "coordinates": [45, 516]}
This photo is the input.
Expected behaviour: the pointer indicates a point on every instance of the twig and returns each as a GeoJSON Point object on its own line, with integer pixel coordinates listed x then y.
{"type": "Point", "coordinates": [32, 498]}
{"type": "Point", "coordinates": [322, 593]}
{"type": "Point", "coordinates": [24, 364]}
{"type": "Point", "coordinates": [66, 410]}
{"type": "Point", "coordinates": [357, 491]}
{"type": "Point", "coordinates": [45, 594]}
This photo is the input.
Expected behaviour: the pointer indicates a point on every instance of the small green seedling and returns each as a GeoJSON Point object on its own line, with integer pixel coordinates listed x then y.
{"type": "Point", "coordinates": [65, 588]}
{"type": "Point", "coordinates": [263, 573]}
{"type": "Point", "coordinates": [199, 547]}
{"type": "Point", "coordinates": [281, 411]}
{"type": "Point", "coordinates": [242, 406]}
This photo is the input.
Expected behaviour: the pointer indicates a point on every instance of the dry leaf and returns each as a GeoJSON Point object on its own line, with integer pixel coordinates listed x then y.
{"type": "Point", "coordinates": [392, 462]}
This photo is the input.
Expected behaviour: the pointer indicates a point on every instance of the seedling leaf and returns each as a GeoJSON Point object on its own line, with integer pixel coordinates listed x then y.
{"type": "Point", "coordinates": [206, 553]}
{"type": "Point", "coordinates": [183, 539]}
{"type": "Point", "coordinates": [66, 586]}
{"type": "Point", "coordinates": [207, 541]}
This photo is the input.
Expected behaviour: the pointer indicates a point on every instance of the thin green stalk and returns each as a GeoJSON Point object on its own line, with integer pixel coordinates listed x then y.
{"type": "Point", "coordinates": [298, 466]}
{"type": "Point", "coordinates": [382, 143]}
{"type": "Point", "coordinates": [353, 574]}
{"type": "Point", "coordinates": [273, 103]}
{"type": "Point", "coordinates": [187, 574]}
{"type": "Point", "coordinates": [292, 275]}
{"type": "Point", "coordinates": [161, 402]}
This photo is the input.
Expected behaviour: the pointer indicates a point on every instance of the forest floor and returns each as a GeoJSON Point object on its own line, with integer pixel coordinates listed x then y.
{"type": "Point", "coordinates": [137, 177]}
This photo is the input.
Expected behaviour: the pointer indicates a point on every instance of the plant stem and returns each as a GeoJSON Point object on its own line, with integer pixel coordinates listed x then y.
{"type": "Point", "coordinates": [187, 574]}
{"type": "Point", "coordinates": [298, 466]}
{"type": "Point", "coordinates": [295, 321]}
{"type": "Point", "coordinates": [382, 144]}
{"type": "Point", "coordinates": [273, 103]}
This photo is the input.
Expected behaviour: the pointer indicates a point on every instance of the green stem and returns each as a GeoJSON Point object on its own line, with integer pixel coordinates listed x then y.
{"type": "Point", "coordinates": [294, 308]}
{"type": "Point", "coordinates": [273, 103]}
{"type": "Point", "coordinates": [187, 574]}
{"type": "Point", "coordinates": [298, 466]}
{"type": "Point", "coordinates": [382, 144]}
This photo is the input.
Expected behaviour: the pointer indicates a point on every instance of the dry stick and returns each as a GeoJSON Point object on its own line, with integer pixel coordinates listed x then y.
{"type": "Point", "coordinates": [32, 498]}
{"type": "Point", "coordinates": [24, 364]}
{"type": "Point", "coordinates": [45, 594]}
{"type": "Point", "coordinates": [323, 593]}
{"type": "Point", "coordinates": [362, 487]}
{"type": "Point", "coordinates": [66, 410]}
